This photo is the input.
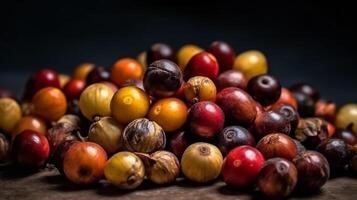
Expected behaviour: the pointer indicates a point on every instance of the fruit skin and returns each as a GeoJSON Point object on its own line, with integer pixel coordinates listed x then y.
{"type": "Point", "coordinates": [201, 162]}
{"type": "Point", "coordinates": [205, 119]}
{"type": "Point", "coordinates": [202, 64]}
{"type": "Point", "coordinates": [200, 88]}
{"type": "Point", "coordinates": [326, 110]}
{"type": "Point", "coordinates": [74, 88]}
{"type": "Point", "coordinates": [30, 122]}
{"type": "Point", "coordinates": [129, 103]}
{"type": "Point", "coordinates": [286, 97]}
{"type": "Point", "coordinates": [82, 71]}
{"type": "Point", "coordinates": [126, 69]}
{"type": "Point", "coordinates": [125, 170]}
{"type": "Point", "coordinates": [10, 114]}
{"type": "Point", "coordinates": [336, 153]}
{"type": "Point", "coordinates": [271, 122]}
{"type": "Point", "coordinates": [95, 101]}
{"type": "Point", "coordinates": [160, 51]}
{"type": "Point", "coordinates": [5, 149]}
{"type": "Point", "coordinates": [49, 103]}
{"type": "Point", "coordinates": [241, 166]}
{"type": "Point", "coordinates": [306, 89]}
{"type": "Point", "coordinates": [265, 89]}
{"type": "Point", "coordinates": [178, 143]}
{"type": "Point", "coordinates": [313, 171]}
{"type": "Point", "coordinates": [277, 178]}
{"type": "Point", "coordinates": [305, 104]}
{"type": "Point", "coordinates": [84, 163]}
{"type": "Point", "coordinates": [231, 78]}
{"type": "Point", "coordinates": [251, 63]}
{"type": "Point", "coordinates": [232, 137]}
{"type": "Point", "coordinates": [143, 135]}
{"type": "Point", "coordinates": [63, 78]}
{"type": "Point", "coordinates": [97, 74]}
{"type": "Point", "coordinates": [347, 117]}
{"type": "Point", "coordinates": [30, 149]}
{"type": "Point", "coordinates": [162, 78]}
{"type": "Point", "coordinates": [60, 152]}
{"type": "Point", "coordinates": [107, 133]}
{"type": "Point", "coordinates": [185, 53]}
{"type": "Point", "coordinates": [290, 114]}
{"type": "Point", "coordinates": [224, 53]}
{"type": "Point", "coordinates": [41, 79]}
{"type": "Point", "coordinates": [169, 113]}
{"type": "Point", "coordinates": [277, 145]}
{"type": "Point", "coordinates": [141, 58]}
{"type": "Point", "coordinates": [346, 135]}
{"type": "Point", "coordinates": [237, 105]}
{"type": "Point", "coordinates": [311, 132]}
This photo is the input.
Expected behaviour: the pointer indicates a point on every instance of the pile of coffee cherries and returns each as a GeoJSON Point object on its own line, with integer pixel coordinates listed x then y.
{"type": "Point", "coordinates": [204, 113]}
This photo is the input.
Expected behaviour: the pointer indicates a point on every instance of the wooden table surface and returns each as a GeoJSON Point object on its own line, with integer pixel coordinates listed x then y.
{"type": "Point", "coordinates": [48, 184]}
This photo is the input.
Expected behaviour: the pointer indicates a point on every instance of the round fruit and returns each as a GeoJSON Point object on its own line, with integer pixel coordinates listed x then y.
{"type": "Point", "coordinates": [307, 90]}
{"type": "Point", "coordinates": [141, 58]}
{"type": "Point", "coordinates": [126, 69]}
{"type": "Point", "coordinates": [10, 114]}
{"type": "Point", "coordinates": [277, 178]}
{"type": "Point", "coordinates": [30, 123]}
{"type": "Point", "coordinates": [241, 166]}
{"type": "Point", "coordinates": [201, 162]}
{"type": "Point", "coordinates": [251, 63]}
{"type": "Point", "coordinates": [286, 97]}
{"type": "Point", "coordinates": [277, 145]}
{"type": "Point", "coordinates": [205, 119]}
{"type": "Point", "coordinates": [83, 70]}
{"type": "Point", "coordinates": [160, 51]}
{"type": "Point", "coordinates": [31, 149]}
{"type": "Point", "coordinates": [164, 167]}
{"type": "Point", "coordinates": [178, 143]}
{"type": "Point", "coordinates": [232, 137]}
{"type": "Point", "coordinates": [162, 78]}
{"type": "Point", "coordinates": [5, 149]}
{"type": "Point", "coordinates": [237, 105]}
{"type": "Point", "coordinates": [200, 88]}
{"type": "Point", "coordinates": [185, 54]}
{"type": "Point", "coordinates": [95, 101]}
{"type": "Point", "coordinates": [169, 113]}
{"type": "Point", "coordinates": [347, 117]}
{"type": "Point", "coordinates": [84, 163]}
{"type": "Point", "coordinates": [74, 88]}
{"type": "Point", "coordinates": [125, 170]}
{"type": "Point", "coordinates": [49, 103]}
{"type": "Point", "coordinates": [271, 122]}
{"type": "Point", "coordinates": [231, 78]}
{"type": "Point", "coordinates": [202, 64]}
{"type": "Point", "coordinates": [336, 153]}
{"type": "Point", "coordinates": [313, 171]}
{"type": "Point", "coordinates": [129, 103]}
{"type": "Point", "coordinates": [107, 133]}
{"type": "Point", "coordinates": [97, 74]}
{"type": "Point", "coordinates": [346, 135]}
{"type": "Point", "coordinates": [289, 113]}
{"type": "Point", "coordinates": [265, 89]}
{"type": "Point", "coordinates": [224, 53]}
{"type": "Point", "coordinates": [143, 135]}
{"type": "Point", "coordinates": [305, 104]}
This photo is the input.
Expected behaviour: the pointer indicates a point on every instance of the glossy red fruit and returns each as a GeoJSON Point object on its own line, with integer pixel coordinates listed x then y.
{"type": "Point", "coordinates": [224, 53]}
{"type": "Point", "coordinates": [41, 79]}
{"type": "Point", "coordinates": [98, 74]}
{"type": "Point", "coordinates": [178, 143]}
{"type": "Point", "coordinates": [277, 145]}
{"type": "Point", "coordinates": [31, 149]}
{"type": "Point", "coordinates": [241, 166]}
{"type": "Point", "coordinates": [278, 178]}
{"type": "Point", "coordinates": [238, 105]}
{"type": "Point", "coordinates": [205, 119]}
{"type": "Point", "coordinates": [271, 122]}
{"type": "Point", "coordinates": [160, 51]}
{"type": "Point", "coordinates": [202, 64]}
{"type": "Point", "coordinates": [231, 78]}
{"type": "Point", "coordinates": [74, 88]}
{"type": "Point", "coordinates": [265, 89]}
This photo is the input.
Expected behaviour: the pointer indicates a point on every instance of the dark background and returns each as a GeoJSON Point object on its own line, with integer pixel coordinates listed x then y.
{"type": "Point", "coordinates": [304, 41]}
